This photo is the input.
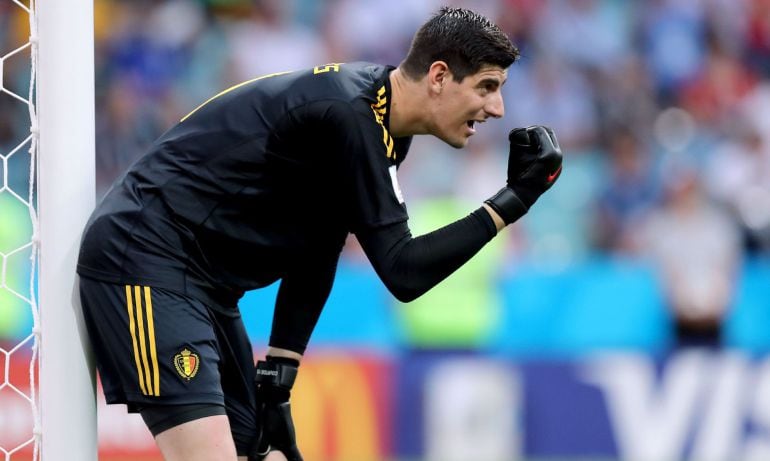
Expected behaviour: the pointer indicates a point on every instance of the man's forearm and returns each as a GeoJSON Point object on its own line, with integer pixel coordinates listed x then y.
{"type": "Point", "coordinates": [411, 266]}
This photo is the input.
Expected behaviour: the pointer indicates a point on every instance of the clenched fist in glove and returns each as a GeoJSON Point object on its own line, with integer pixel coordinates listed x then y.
{"type": "Point", "coordinates": [274, 380]}
{"type": "Point", "coordinates": [534, 164]}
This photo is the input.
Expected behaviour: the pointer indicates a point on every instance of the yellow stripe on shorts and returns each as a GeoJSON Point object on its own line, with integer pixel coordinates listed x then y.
{"type": "Point", "coordinates": [142, 328]}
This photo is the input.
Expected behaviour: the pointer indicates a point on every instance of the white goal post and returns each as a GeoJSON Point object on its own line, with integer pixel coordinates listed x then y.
{"type": "Point", "coordinates": [64, 48]}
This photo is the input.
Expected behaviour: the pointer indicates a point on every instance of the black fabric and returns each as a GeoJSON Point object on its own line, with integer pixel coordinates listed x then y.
{"type": "Point", "coordinates": [408, 266]}
{"type": "Point", "coordinates": [160, 418]}
{"type": "Point", "coordinates": [278, 432]}
{"type": "Point", "coordinates": [507, 205]}
{"type": "Point", "coordinates": [118, 319]}
{"type": "Point", "coordinates": [236, 195]}
{"type": "Point", "coordinates": [274, 409]}
{"type": "Point", "coordinates": [225, 370]}
{"type": "Point", "coordinates": [411, 266]}
{"type": "Point", "coordinates": [534, 162]}
{"type": "Point", "coordinates": [276, 393]}
{"type": "Point", "coordinates": [301, 297]}
{"type": "Point", "coordinates": [706, 335]}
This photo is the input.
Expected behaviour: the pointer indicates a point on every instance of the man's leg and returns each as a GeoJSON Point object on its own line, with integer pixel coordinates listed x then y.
{"type": "Point", "coordinates": [204, 439]}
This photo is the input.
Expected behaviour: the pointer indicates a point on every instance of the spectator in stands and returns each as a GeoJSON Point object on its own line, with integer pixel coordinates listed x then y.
{"type": "Point", "coordinates": [695, 246]}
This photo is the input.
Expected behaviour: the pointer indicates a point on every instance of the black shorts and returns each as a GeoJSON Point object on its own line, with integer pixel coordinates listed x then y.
{"type": "Point", "coordinates": [158, 347]}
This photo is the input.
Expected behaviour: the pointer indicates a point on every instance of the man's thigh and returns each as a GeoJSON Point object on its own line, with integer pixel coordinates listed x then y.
{"type": "Point", "coordinates": [204, 439]}
{"type": "Point", "coordinates": [237, 377]}
{"type": "Point", "coordinates": [152, 346]}
{"type": "Point", "coordinates": [156, 348]}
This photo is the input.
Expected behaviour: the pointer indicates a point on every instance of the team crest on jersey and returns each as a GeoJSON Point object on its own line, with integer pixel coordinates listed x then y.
{"type": "Point", "coordinates": [186, 363]}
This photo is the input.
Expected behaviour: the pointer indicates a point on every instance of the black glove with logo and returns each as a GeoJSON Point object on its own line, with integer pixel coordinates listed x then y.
{"type": "Point", "coordinates": [534, 164]}
{"type": "Point", "coordinates": [273, 381]}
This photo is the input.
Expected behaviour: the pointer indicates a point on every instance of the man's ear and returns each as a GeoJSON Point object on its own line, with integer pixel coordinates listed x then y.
{"type": "Point", "coordinates": [438, 75]}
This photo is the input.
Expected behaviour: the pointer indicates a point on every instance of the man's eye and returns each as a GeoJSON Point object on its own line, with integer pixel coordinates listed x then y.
{"type": "Point", "coordinates": [488, 88]}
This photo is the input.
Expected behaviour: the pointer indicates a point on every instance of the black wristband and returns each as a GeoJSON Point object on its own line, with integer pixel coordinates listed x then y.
{"type": "Point", "coordinates": [277, 372]}
{"type": "Point", "coordinates": [507, 204]}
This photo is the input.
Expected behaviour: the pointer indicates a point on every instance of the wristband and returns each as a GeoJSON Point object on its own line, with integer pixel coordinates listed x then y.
{"type": "Point", "coordinates": [507, 204]}
{"type": "Point", "coordinates": [275, 373]}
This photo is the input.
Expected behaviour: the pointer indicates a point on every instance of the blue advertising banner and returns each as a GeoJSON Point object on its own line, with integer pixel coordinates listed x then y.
{"type": "Point", "coordinates": [693, 405]}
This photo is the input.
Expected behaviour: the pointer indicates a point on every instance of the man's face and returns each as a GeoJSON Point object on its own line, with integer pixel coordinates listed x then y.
{"type": "Point", "coordinates": [461, 107]}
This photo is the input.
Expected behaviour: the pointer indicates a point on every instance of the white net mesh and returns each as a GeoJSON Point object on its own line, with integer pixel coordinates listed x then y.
{"type": "Point", "coordinates": [19, 418]}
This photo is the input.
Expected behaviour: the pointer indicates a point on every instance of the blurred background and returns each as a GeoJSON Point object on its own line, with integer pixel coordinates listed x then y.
{"type": "Point", "coordinates": [627, 316]}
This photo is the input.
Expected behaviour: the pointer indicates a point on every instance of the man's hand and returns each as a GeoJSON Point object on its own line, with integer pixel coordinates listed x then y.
{"type": "Point", "coordinates": [274, 380]}
{"type": "Point", "coordinates": [534, 165]}
{"type": "Point", "coordinates": [534, 162]}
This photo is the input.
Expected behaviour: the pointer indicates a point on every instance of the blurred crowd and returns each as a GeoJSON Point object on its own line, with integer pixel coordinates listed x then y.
{"type": "Point", "coordinates": [662, 108]}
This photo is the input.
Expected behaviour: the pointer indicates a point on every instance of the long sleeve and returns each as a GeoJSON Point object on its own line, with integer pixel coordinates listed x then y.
{"type": "Point", "coordinates": [301, 298]}
{"type": "Point", "coordinates": [410, 266]}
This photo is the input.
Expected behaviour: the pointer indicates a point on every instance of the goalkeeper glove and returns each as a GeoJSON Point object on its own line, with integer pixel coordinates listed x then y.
{"type": "Point", "coordinates": [534, 164]}
{"type": "Point", "coordinates": [273, 381]}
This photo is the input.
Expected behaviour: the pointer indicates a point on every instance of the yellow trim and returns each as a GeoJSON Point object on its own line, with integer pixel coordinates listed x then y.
{"type": "Point", "coordinates": [387, 140]}
{"type": "Point", "coordinates": [142, 342]}
{"type": "Point", "coordinates": [132, 329]}
{"type": "Point", "coordinates": [151, 334]}
{"type": "Point", "coordinates": [231, 89]}
{"type": "Point", "coordinates": [335, 66]}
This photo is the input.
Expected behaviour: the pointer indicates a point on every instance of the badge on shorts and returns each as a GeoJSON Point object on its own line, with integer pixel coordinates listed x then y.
{"type": "Point", "coordinates": [186, 363]}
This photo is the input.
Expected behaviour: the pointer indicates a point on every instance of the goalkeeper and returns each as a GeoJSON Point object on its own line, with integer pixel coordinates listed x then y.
{"type": "Point", "coordinates": [264, 182]}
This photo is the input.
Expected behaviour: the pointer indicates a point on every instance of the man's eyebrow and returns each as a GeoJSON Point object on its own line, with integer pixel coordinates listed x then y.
{"type": "Point", "coordinates": [492, 80]}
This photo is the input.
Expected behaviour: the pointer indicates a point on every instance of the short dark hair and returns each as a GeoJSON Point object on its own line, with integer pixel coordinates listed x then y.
{"type": "Point", "coordinates": [464, 39]}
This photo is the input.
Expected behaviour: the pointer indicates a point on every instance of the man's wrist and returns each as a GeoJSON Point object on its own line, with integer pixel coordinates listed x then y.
{"type": "Point", "coordinates": [507, 205]}
{"type": "Point", "coordinates": [280, 352]}
{"type": "Point", "coordinates": [274, 372]}
{"type": "Point", "coordinates": [496, 218]}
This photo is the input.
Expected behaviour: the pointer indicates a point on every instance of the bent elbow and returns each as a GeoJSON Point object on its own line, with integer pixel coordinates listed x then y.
{"type": "Point", "coordinates": [405, 296]}
{"type": "Point", "coordinates": [404, 292]}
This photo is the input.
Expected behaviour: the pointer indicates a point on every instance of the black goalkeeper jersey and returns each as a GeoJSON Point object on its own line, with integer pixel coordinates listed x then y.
{"type": "Point", "coordinates": [263, 177]}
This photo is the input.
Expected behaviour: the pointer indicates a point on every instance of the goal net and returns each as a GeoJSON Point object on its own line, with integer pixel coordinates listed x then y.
{"type": "Point", "coordinates": [18, 231]}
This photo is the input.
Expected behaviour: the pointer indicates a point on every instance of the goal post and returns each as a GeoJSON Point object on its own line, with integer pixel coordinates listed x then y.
{"type": "Point", "coordinates": [66, 194]}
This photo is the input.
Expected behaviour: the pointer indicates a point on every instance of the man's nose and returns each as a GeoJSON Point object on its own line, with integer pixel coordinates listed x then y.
{"type": "Point", "coordinates": [495, 106]}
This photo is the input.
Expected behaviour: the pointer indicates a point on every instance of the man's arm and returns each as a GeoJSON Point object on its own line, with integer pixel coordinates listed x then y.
{"type": "Point", "coordinates": [499, 223]}
{"type": "Point", "coordinates": [411, 266]}
{"type": "Point", "coordinates": [301, 297]}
